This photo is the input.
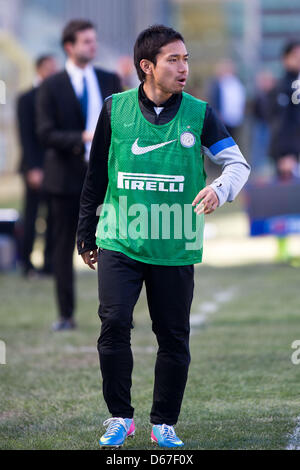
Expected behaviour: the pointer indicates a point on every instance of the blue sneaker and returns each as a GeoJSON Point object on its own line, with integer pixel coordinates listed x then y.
{"type": "Point", "coordinates": [165, 436]}
{"type": "Point", "coordinates": [118, 429]}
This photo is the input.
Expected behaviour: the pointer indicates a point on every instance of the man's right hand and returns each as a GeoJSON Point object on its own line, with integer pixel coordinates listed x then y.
{"type": "Point", "coordinates": [87, 136]}
{"type": "Point", "coordinates": [90, 258]}
{"type": "Point", "coordinates": [34, 178]}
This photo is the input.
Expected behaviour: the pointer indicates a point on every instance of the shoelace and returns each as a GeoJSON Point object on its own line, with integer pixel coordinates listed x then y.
{"type": "Point", "coordinates": [168, 432]}
{"type": "Point", "coordinates": [114, 425]}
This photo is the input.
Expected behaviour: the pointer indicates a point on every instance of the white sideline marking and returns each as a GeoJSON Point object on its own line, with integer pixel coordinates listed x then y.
{"type": "Point", "coordinates": [294, 442]}
{"type": "Point", "coordinates": [198, 319]}
{"type": "Point", "coordinates": [224, 296]}
{"type": "Point", "coordinates": [207, 308]}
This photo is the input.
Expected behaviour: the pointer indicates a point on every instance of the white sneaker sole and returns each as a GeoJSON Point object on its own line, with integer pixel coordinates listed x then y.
{"type": "Point", "coordinates": [170, 447]}
{"type": "Point", "coordinates": [114, 446]}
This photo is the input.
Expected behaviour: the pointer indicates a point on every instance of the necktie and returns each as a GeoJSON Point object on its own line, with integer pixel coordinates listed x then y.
{"type": "Point", "coordinates": [84, 100]}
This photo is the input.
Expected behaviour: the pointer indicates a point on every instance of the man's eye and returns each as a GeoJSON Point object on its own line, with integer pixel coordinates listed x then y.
{"type": "Point", "coordinates": [172, 60]}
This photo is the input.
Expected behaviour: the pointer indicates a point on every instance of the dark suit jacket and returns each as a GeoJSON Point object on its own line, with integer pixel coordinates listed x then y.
{"type": "Point", "coordinates": [32, 153]}
{"type": "Point", "coordinates": [60, 124]}
{"type": "Point", "coordinates": [285, 118]}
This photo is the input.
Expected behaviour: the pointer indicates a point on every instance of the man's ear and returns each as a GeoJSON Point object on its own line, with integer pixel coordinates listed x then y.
{"type": "Point", "coordinates": [68, 48]}
{"type": "Point", "coordinates": [146, 66]}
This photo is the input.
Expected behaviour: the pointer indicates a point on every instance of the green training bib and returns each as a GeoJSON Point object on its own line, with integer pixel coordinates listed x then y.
{"type": "Point", "coordinates": [154, 174]}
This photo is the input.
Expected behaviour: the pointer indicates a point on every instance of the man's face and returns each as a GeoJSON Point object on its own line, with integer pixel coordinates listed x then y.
{"type": "Point", "coordinates": [171, 70]}
{"type": "Point", "coordinates": [84, 49]}
{"type": "Point", "coordinates": [292, 60]}
{"type": "Point", "coordinates": [47, 68]}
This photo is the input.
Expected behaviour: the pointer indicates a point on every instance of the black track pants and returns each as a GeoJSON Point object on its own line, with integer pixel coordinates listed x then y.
{"type": "Point", "coordinates": [169, 294]}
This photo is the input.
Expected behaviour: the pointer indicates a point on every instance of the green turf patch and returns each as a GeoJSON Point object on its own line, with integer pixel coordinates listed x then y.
{"type": "Point", "coordinates": [242, 392]}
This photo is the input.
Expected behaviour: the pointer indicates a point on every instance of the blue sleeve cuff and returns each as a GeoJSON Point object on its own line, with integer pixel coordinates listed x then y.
{"type": "Point", "coordinates": [221, 145]}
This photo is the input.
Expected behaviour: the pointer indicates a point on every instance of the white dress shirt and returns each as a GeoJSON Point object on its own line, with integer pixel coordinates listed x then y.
{"type": "Point", "coordinates": [95, 100]}
{"type": "Point", "coordinates": [233, 100]}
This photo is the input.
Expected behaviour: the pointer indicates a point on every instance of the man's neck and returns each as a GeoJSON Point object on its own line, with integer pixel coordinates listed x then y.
{"type": "Point", "coordinates": [80, 65]}
{"type": "Point", "coordinates": [291, 71]}
{"type": "Point", "coordinates": [37, 80]}
{"type": "Point", "coordinates": [155, 94]}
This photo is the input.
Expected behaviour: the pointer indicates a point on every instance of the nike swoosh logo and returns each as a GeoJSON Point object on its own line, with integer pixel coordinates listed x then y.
{"type": "Point", "coordinates": [136, 150]}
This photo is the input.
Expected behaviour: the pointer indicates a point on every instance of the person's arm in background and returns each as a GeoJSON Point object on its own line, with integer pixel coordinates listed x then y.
{"type": "Point", "coordinates": [31, 150]}
{"type": "Point", "coordinates": [94, 187]}
{"type": "Point", "coordinates": [66, 141]}
{"type": "Point", "coordinates": [219, 146]}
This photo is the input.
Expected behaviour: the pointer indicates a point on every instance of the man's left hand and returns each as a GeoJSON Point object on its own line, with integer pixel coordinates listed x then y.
{"type": "Point", "coordinates": [209, 201]}
{"type": "Point", "coordinates": [90, 258]}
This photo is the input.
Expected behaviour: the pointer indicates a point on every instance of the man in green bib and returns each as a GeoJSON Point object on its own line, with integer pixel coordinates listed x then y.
{"type": "Point", "coordinates": [146, 172]}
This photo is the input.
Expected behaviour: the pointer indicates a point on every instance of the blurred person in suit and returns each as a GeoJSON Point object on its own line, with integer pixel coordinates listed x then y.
{"type": "Point", "coordinates": [31, 167]}
{"type": "Point", "coordinates": [227, 96]}
{"type": "Point", "coordinates": [68, 107]}
{"type": "Point", "coordinates": [260, 132]}
{"type": "Point", "coordinates": [285, 126]}
{"type": "Point", "coordinates": [285, 114]}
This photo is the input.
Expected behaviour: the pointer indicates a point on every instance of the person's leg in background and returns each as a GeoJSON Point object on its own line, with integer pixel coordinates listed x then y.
{"type": "Point", "coordinates": [32, 200]}
{"type": "Point", "coordinates": [287, 168]}
{"type": "Point", "coordinates": [260, 142]}
{"type": "Point", "coordinates": [48, 239]}
{"type": "Point", "coordinates": [65, 211]}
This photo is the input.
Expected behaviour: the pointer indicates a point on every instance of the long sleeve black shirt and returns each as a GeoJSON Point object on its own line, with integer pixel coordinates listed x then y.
{"type": "Point", "coordinates": [96, 180]}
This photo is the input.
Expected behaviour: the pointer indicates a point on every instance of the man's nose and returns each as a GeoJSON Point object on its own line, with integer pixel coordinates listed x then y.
{"type": "Point", "coordinates": [182, 66]}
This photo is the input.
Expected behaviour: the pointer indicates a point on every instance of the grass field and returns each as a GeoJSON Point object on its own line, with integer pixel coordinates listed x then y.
{"type": "Point", "coordinates": [242, 392]}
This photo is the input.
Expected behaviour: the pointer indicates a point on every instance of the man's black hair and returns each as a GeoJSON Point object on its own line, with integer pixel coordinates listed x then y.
{"type": "Point", "coordinates": [149, 43]}
{"type": "Point", "coordinates": [290, 46]}
{"type": "Point", "coordinates": [41, 59]}
{"type": "Point", "coordinates": [73, 27]}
